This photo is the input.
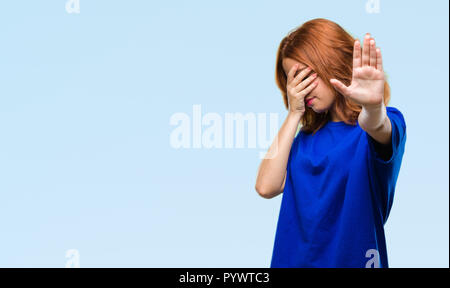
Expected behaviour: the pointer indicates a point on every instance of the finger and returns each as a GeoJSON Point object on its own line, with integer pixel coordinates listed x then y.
{"type": "Point", "coordinates": [373, 54]}
{"type": "Point", "coordinates": [365, 52]}
{"type": "Point", "coordinates": [340, 87]}
{"type": "Point", "coordinates": [300, 76]}
{"type": "Point", "coordinates": [305, 82]}
{"type": "Point", "coordinates": [291, 73]}
{"type": "Point", "coordinates": [308, 89]}
{"type": "Point", "coordinates": [379, 60]}
{"type": "Point", "coordinates": [357, 54]}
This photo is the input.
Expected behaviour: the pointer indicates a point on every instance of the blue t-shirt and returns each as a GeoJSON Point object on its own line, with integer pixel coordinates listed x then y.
{"type": "Point", "coordinates": [339, 190]}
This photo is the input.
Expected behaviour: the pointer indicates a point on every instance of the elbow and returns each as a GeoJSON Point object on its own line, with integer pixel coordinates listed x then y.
{"type": "Point", "coordinates": [264, 192]}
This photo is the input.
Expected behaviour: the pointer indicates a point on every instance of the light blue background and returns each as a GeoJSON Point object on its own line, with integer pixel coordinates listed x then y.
{"type": "Point", "coordinates": [85, 103]}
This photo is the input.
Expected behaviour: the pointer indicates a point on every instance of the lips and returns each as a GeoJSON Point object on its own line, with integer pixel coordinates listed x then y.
{"type": "Point", "coordinates": [309, 101]}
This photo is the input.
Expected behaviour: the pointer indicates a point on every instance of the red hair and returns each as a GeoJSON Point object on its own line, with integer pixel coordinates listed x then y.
{"type": "Point", "coordinates": [328, 49]}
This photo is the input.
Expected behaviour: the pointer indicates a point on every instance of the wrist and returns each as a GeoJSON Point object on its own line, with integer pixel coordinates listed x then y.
{"type": "Point", "coordinates": [373, 108]}
{"type": "Point", "coordinates": [372, 117]}
{"type": "Point", "coordinates": [295, 115]}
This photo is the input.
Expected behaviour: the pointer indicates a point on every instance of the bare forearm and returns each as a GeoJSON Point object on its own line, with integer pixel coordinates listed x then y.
{"type": "Point", "coordinates": [272, 171]}
{"type": "Point", "coordinates": [376, 123]}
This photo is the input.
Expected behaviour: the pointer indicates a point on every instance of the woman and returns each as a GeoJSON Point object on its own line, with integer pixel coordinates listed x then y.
{"type": "Point", "coordinates": [338, 174]}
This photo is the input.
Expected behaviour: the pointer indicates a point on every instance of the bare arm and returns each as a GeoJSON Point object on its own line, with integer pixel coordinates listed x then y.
{"type": "Point", "coordinates": [272, 171]}
{"type": "Point", "coordinates": [376, 123]}
{"type": "Point", "coordinates": [367, 89]}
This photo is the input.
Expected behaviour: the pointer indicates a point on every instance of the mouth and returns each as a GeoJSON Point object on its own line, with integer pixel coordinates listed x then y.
{"type": "Point", "coordinates": [309, 101]}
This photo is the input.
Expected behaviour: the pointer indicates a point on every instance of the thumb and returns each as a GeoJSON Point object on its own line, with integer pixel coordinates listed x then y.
{"type": "Point", "coordinates": [340, 87]}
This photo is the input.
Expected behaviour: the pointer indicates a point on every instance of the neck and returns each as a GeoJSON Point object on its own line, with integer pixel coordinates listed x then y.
{"type": "Point", "coordinates": [333, 115]}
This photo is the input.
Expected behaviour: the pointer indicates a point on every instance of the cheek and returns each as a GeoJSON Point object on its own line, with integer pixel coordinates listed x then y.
{"type": "Point", "coordinates": [325, 96]}
{"type": "Point", "coordinates": [324, 92]}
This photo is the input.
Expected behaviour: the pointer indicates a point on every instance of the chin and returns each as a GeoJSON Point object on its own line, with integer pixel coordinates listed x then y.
{"type": "Point", "coordinates": [318, 110]}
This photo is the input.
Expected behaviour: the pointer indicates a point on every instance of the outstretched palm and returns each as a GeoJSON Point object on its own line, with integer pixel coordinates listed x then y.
{"type": "Point", "coordinates": [367, 87]}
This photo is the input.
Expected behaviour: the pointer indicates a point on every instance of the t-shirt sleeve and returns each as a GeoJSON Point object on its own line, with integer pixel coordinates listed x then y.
{"type": "Point", "coordinates": [385, 161]}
